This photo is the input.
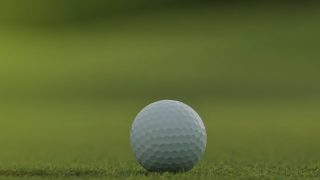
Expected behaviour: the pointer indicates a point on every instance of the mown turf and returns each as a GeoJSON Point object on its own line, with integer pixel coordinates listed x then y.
{"type": "Point", "coordinates": [218, 169]}
{"type": "Point", "coordinates": [245, 139]}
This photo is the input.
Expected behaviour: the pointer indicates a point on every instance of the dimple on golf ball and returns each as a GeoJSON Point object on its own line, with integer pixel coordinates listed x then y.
{"type": "Point", "coordinates": [168, 135]}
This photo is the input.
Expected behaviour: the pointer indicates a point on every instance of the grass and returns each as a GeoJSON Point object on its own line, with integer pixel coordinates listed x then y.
{"type": "Point", "coordinates": [221, 169]}
{"type": "Point", "coordinates": [202, 51]}
{"type": "Point", "coordinates": [245, 139]}
{"type": "Point", "coordinates": [69, 94]}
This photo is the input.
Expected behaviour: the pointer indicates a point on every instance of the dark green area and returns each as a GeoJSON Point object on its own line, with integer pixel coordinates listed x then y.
{"type": "Point", "coordinates": [69, 91]}
{"type": "Point", "coordinates": [222, 169]}
{"type": "Point", "coordinates": [59, 12]}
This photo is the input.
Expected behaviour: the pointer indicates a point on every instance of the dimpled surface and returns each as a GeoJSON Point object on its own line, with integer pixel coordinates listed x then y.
{"type": "Point", "coordinates": [168, 135]}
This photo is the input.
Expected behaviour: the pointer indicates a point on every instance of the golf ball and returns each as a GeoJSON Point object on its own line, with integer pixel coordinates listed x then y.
{"type": "Point", "coordinates": [168, 135]}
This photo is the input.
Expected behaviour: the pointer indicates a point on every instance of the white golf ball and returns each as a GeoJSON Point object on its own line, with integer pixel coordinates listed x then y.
{"type": "Point", "coordinates": [168, 135]}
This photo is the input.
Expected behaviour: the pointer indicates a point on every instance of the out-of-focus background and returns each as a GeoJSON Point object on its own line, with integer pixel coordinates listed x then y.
{"type": "Point", "coordinates": [73, 75]}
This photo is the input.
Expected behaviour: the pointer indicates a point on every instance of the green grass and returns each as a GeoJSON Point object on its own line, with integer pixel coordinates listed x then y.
{"type": "Point", "coordinates": [220, 169]}
{"type": "Point", "coordinates": [69, 94]}
{"type": "Point", "coordinates": [189, 52]}
{"type": "Point", "coordinates": [245, 139]}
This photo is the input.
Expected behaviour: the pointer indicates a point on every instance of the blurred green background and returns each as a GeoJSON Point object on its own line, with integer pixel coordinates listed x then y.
{"type": "Point", "coordinates": [73, 75]}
